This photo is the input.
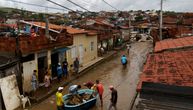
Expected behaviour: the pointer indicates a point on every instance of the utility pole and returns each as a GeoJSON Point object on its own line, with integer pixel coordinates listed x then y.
{"type": "Point", "coordinates": [129, 27]}
{"type": "Point", "coordinates": [47, 27]}
{"type": "Point", "coordinates": [19, 56]}
{"type": "Point", "coordinates": [161, 16]}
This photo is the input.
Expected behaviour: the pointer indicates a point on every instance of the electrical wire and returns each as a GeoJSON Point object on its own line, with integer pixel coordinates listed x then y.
{"type": "Point", "coordinates": [110, 5]}
{"type": "Point", "coordinates": [78, 5]}
{"type": "Point", "coordinates": [31, 4]}
{"type": "Point", "coordinates": [84, 2]}
{"type": "Point", "coordinates": [62, 6]}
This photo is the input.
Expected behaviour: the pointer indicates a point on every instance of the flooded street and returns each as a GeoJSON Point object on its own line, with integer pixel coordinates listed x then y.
{"type": "Point", "coordinates": [111, 72]}
{"type": "Point", "coordinates": [57, 54]}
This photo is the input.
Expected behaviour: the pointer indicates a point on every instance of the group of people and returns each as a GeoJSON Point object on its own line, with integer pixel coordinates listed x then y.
{"type": "Point", "coordinates": [62, 70]}
{"type": "Point", "coordinates": [47, 80]}
{"type": "Point", "coordinates": [98, 87]}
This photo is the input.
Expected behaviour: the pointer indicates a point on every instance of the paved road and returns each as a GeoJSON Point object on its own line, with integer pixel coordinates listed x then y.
{"type": "Point", "coordinates": [111, 72]}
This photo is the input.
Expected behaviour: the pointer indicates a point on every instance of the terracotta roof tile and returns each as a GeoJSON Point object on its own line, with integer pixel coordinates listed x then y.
{"type": "Point", "coordinates": [58, 27]}
{"type": "Point", "coordinates": [8, 25]}
{"type": "Point", "coordinates": [173, 44]}
{"type": "Point", "coordinates": [171, 68]}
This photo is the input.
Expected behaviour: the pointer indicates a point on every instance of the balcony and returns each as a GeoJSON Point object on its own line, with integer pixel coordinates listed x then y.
{"type": "Point", "coordinates": [31, 45]}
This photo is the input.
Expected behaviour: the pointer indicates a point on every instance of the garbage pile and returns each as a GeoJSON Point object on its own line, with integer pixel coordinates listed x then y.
{"type": "Point", "coordinates": [77, 99]}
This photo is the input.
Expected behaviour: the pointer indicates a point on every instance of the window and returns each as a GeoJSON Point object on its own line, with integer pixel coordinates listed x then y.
{"type": "Point", "coordinates": [73, 52]}
{"type": "Point", "coordinates": [92, 46]}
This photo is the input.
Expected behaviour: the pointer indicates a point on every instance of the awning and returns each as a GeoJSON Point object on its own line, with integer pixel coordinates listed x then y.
{"type": "Point", "coordinates": [60, 50]}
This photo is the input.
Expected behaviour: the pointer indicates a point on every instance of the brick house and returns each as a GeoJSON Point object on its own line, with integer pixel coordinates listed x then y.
{"type": "Point", "coordinates": [104, 31]}
{"type": "Point", "coordinates": [37, 53]}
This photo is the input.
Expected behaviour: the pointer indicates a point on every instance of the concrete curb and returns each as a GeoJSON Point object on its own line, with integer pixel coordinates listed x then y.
{"type": "Point", "coordinates": [133, 101]}
{"type": "Point", "coordinates": [38, 100]}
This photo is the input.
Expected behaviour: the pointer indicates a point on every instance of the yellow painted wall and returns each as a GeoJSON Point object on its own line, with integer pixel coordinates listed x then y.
{"type": "Point", "coordinates": [88, 55]}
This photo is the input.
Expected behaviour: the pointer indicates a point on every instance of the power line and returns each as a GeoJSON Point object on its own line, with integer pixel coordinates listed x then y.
{"type": "Point", "coordinates": [31, 4]}
{"type": "Point", "coordinates": [91, 4]}
{"type": "Point", "coordinates": [62, 6]}
{"type": "Point", "coordinates": [110, 5]}
{"type": "Point", "coordinates": [77, 5]}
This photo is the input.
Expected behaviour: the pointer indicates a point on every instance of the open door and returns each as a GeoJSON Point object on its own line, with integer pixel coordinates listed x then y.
{"type": "Point", "coordinates": [42, 65]}
{"type": "Point", "coordinates": [54, 62]}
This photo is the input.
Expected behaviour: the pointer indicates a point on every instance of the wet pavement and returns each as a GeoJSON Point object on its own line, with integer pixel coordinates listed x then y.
{"type": "Point", "coordinates": [111, 72]}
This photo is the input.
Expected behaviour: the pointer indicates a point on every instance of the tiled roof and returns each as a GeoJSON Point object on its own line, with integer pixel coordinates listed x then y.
{"type": "Point", "coordinates": [173, 44]}
{"type": "Point", "coordinates": [75, 31]}
{"type": "Point", "coordinates": [8, 25]}
{"type": "Point", "coordinates": [124, 27]}
{"type": "Point", "coordinates": [188, 21]}
{"type": "Point", "coordinates": [102, 22]}
{"type": "Point", "coordinates": [91, 32]}
{"type": "Point", "coordinates": [58, 27]}
{"type": "Point", "coordinates": [170, 68]}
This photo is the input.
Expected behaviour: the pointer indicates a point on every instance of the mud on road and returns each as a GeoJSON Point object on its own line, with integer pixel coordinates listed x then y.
{"type": "Point", "coordinates": [111, 72]}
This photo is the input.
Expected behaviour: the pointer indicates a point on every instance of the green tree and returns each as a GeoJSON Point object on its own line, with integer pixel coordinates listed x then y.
{"type": "Point", "coordinates": [139, 18]}
{"type": "Point", "coordinates": [41, 16]}
{"type": "Point", "coordinates": [34, 16]}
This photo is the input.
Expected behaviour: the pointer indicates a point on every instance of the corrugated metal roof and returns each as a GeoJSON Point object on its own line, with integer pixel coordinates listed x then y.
{"type": "Point", "coordinates": [163, 102]}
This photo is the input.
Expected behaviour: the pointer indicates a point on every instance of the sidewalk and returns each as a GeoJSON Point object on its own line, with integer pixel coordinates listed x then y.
{"type": "Point", "coordinates": [42, 93]}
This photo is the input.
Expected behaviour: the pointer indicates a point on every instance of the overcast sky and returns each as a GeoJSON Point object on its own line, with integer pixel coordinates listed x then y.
{"type": "Point", "coordinates": [99, 5]}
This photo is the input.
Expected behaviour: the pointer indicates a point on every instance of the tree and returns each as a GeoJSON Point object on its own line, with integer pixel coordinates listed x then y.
{"type": "Point", "coordinates": [34, 16]}
{"type": "Point", "coordinates": [41, 16]}
{"type": "Point", "coordinates": [139, 18]}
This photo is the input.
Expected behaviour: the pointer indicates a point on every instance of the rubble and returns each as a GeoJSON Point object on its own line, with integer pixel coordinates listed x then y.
{"type": "Point", "coordinates": [78, 99]}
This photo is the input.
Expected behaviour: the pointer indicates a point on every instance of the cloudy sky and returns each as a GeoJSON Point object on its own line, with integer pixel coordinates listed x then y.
{"type": "Point", "coordinates": [99, 5]}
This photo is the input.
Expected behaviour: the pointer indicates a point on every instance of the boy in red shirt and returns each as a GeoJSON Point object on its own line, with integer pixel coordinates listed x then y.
{"type": "Point", "coordinates": [100, 90]}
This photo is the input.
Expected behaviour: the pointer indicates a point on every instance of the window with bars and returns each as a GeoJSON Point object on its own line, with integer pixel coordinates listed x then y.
{"type": "Point", "coordinates": [92, 46]}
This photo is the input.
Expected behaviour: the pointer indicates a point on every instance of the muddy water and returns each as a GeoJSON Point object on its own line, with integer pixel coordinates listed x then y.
{"type": "Point", "coordinates": [111, 72]}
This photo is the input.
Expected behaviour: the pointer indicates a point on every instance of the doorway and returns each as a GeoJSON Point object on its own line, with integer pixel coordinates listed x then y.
{"type": "Point", "coordinates": [42, 65]}
{"type": "Point", "coordinates": [54, 63]}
